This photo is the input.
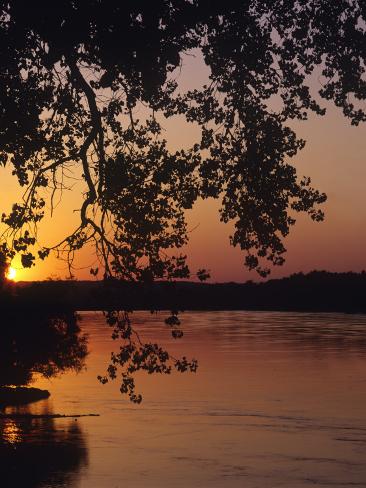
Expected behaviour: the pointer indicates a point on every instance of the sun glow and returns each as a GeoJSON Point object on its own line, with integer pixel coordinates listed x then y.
{"type": "Point", "coordinates": [11, 274]}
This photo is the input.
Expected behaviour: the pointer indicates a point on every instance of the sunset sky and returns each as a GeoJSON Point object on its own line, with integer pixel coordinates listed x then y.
{"type": "Point", "coordinates": [333, 157]}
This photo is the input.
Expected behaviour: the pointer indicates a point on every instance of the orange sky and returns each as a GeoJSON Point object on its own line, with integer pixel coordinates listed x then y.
{"type": "Point", "coordinates": [334, 158]}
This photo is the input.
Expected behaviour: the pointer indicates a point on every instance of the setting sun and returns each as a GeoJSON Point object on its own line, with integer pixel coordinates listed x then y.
{"type": "Point", "coordinates": [11, 274]}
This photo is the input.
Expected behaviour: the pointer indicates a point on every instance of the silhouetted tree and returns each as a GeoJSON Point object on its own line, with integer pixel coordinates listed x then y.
{"type": "Point", "coordinates": [86, 88]}
{"type": "Point", "coordinates": [3, 269]}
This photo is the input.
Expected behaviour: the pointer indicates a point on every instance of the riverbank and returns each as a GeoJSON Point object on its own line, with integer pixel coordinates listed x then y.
{"type": "Point", "coordinates": [21, 395]}
{"type": "Point", "coordinates": [319, 291]}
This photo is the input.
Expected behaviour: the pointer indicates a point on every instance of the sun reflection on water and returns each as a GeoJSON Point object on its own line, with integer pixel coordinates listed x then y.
{"type": "Point", "coordinates": [12, 434]}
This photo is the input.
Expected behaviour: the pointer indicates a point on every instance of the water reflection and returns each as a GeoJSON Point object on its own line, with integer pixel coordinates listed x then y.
{"type": "Point", "coordinates": [294, 332]}
{"type": "Point", "coordinates": [279, 400]}
{"type": "Point", "coordinates": [38, 453]}
{"type": "Point", "coordinates": [11, 432]}
{"type": "Point", "coordinates": [47, 343]}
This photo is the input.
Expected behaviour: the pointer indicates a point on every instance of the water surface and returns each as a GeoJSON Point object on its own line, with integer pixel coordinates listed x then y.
{"type": "Point", "coordinates": [279, 399]}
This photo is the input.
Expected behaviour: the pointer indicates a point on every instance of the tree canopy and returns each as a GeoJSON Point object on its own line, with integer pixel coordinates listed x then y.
{"type": "Point", "coordinates": [74, 74]}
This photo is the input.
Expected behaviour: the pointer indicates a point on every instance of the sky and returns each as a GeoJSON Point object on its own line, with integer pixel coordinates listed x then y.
{"type": "Point", "coordinates": [334, 158]}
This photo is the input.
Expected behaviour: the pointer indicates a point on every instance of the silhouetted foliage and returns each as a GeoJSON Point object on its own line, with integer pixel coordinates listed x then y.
{"type": "Point", "coordinates": [87, 87]}
{"type": "Point", "coordinates": [135, 355]}
{"type": "Point", "coordinates": [3, 270]}
{"type": "Point", "coordinates": [41, 334]}
{"type": "Point", "coordinates": [3, 267]}
{"type": "Point", "coordinates": [39, 342]}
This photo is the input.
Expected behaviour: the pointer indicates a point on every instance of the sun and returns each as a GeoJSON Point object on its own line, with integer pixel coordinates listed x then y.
{"type": "Point", "coordinates": [11, 274]}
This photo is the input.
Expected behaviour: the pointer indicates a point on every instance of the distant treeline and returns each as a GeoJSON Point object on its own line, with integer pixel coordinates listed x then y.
{"type": "Point", "coordinates": [315, 291]}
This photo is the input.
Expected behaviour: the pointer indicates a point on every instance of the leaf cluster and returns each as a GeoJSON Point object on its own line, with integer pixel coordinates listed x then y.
{"type": "Point", "coordinates": [135, 355]}
{"type": "Point", "coordinates": [76, 77]}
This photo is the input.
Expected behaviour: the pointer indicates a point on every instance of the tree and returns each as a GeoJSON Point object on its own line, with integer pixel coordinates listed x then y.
{"type": "Point", "coordinates": [74, 75]}
{"type": "Point", "coordinates": [3, 269]}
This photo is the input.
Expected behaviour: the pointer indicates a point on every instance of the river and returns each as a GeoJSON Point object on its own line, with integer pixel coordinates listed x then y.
{"type": "Point", "coordinates": [279, 400]}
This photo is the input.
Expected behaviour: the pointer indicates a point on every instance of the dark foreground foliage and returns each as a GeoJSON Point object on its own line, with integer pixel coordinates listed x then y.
{"type": "Point", "coordinates": [41, 335]}
{"type": "Point", "coordinates": [38, 340]}
{"type": "Point", "coordinates": [95, 83]}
